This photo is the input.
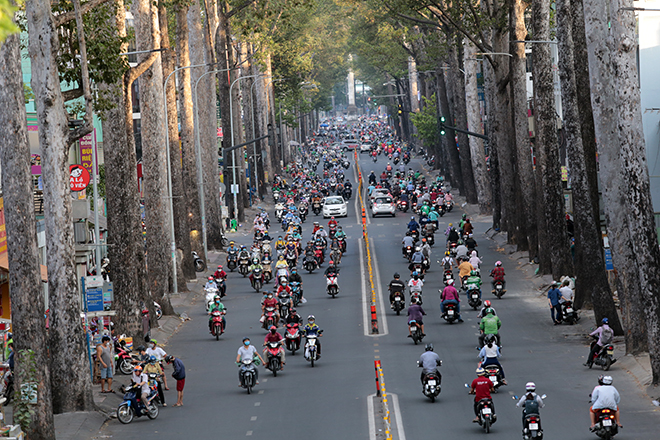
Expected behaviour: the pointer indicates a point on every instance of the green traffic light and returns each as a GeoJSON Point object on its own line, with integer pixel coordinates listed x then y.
{"type": "Point", "coordinates": [442, 119]}
{"type": "Point", "coordinates": [442, 132]}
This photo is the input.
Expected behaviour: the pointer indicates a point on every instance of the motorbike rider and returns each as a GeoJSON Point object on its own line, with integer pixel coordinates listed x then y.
{"type": "Point", "coordinates": [461, 251]}
{"type": "Point", "coordinates": [332, 270]}
{"type": "Point", "coordinates": [426, 249]}
{"type": "Point", "coordinates": [489, 325]}
{"type": "Point", "coordinates": [340, 234]}
{"type": "Point", "coordinates": [605, 335]}
{"type": "Point", "coordinates": [294, 317]}
{"type": "Point", "coordinates": [481, 388]}
{"type": "Point", "coordinates": [216, 305]}
{"type": "Point", "coordinates": [210, 284]}
{"type": "Point", "coordinates": [417, 258]}
{"type": "Point", "coordinates": [487, 305]}
{"type": "Point", "coordinates": [415, 284]}
{"type": "Point", "coordinates": [415, 313]}
{"type": "Point", "coordinates": [396, 285]}
{"type": "Point", "coordinates": [220, 273]}
{"type": "Point", "coordinates": [247, 352]}
{"type": "Point", "coordinates": [243, 254]}
{"type": "Point", "coordinates": [471, 243]}
{"type": "Point", "coordinates": [530, 402]}
{"type": "Point", "coordinates": [270, 301]}
{"type": "Point", "coordinates": [605, 397]}
{"type": "Point", "coordinates": [475, 261]}
{"type": "Point", "coordinates": [274, 336]}
{"type": "Point", "coordinates": [450, 295]}
{"type": "Point", "coordinates": [281, 263]}
{"type": "Point", "coordinates": [452, 235]}
{"type": "Point", "coordinates": [296, 278]}
{"type": "Point", "coordinates": [332, 222]}
{"type": "Point", "coordinates": [429, 362]}
{"type": "Point", "coordinates": [280, 243]}
{"type": "Point", "coordinates": [311, 328]}
{"type": "Point", "coordinates": [498, 275]}
{"type": "Point", "coordinates": [489, 354]}
{"type": "Point", "coordinates": [232, 249]}
{"type": "Point", "coordinates": [413, 225]}
{"type": "Point", "coordinates": [407, 241]}
{"type": "Point", "coordinates": [372, 178]}
{"type": "Point", "coordinates": [467, 227]}
{"type": "Point", "coordinates": [153, 367]}
{"type": "Point", "coordinates": [448, 262]}
{"type": "Point", "coordinates": [474, 279]}
{"type": "Point", "coordinates": [321, 233]}
{"type": "Point", "coordinates": [256, 264]}
{"type": "Point", "coordinates": [433, 218]}
{"type": "Point", "coordinates": [142, 380]}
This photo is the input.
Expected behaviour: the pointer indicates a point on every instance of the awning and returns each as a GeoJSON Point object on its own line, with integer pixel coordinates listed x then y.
{"type": "Point", "coordinates": [4, 266]}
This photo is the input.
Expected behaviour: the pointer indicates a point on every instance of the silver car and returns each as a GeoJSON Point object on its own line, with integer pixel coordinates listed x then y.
{"type": "Point", "coordinates": [383, 205]}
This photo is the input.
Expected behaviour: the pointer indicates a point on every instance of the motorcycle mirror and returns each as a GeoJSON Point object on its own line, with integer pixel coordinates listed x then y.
{"type": "Point", "coordinates": [544, 396]}
{"type": "Point", "coordinates": [467, 386]}
{"type": "Point", "coordinates": [514, 397]}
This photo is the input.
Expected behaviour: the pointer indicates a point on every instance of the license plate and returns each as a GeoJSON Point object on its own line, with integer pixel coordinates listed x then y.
{"type": "Point", "coordinates": [499, 287]}
{"type": "Point", "coordinates": [607, 422]}
{"type": "Point", "coordinates": [450, 312]}
{"type": "Point", "coordinates": [431, 382]}
{"type": "Point", "coordinates": [533, 426]}
{"type": "Point", "coordinates": [397, 299]}
{"type": "Point", "coordinates": [493, 379]}
{"type": "Point", "coordinates": [475, 296]}
{"type": "Point", "coordinates": [413, 328]}
{"type": "Point", "coordinates": [486, 411]}
{"type": "Point", "coordinates": [569, 310]}
{"type": "Point", "coordinates": [610, 351]}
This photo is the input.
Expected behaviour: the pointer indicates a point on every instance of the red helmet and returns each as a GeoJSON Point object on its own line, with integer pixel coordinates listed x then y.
{"type": "Point", "coordinates": [332, 218]}
{"type": "Point", "coordinates": [487, 303]}
{"type": "Point", "coordinates": [210, 278]}
{"type": "Point", "coordinates": [219, 266]}
{"type": "Point", "coordinates": [332, 262]}
{"type": "Point", "coordinates": [272, 328]}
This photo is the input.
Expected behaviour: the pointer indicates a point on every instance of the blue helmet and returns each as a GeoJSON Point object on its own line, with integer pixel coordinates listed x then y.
{"type": "Point", "coordinates": [605, 321]}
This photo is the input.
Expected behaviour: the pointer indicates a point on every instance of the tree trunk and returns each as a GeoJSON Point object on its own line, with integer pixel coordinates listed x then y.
{"type": "Point", "coordinates": [477, 152]}
{"type": "Point", "coordinates": [449, 139]}
{"type": "Point", "coordinates": [589, 261]}
{"type": "Point", "coordinates": [154, 156]}
{"type": "Point", "coordinates": [25, 287]}
{"type": "Point", "coordinates": [521, 131]}
{"type": "Point", "coordinates": [634, 171]}
{"type": "Point", "coordinates": [69, 364]}
{"type": "Point", "coordinates": [181, 230]}
{"type": "Point", "coordinates": [125, 241]}
{"type": "Point", "coordinates": [547, 145]}
{"type": "Point", "coordinates": [600, 51]}
{"type": "Point", "coordinates": [207, 99]}
{"type": "Point", "coordinates": [262, 119]}
{"type": "Point", "coordinates": [457, 81]}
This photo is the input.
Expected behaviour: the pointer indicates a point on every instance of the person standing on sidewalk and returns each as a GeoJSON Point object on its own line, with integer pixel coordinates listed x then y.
{"type": "Point", "coordinates": [104, 355]}
{"type": "Point", "coordinates": [554, 297]}
{"type": "Point", "coordinates": [180, 375]}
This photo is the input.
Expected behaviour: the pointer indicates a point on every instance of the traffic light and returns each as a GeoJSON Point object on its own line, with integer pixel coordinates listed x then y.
{"type": "Point", "coordinates": [400, 109]}
{"type": "Point", "coordinates": [442, 126]}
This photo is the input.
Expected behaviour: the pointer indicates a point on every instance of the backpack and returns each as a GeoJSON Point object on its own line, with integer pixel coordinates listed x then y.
{"type": "Point", "coordinates": [531, 406]}
{"type": "Point", "coordinates": [607, 335]}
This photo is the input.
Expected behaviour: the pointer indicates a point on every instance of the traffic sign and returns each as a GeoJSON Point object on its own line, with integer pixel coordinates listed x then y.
{"type": "Point", "coordinates": [234, 188]}
{"type": "Point", "coordinates": [78, 177]}
{"type": "Point", "coordinates": [94, 299]}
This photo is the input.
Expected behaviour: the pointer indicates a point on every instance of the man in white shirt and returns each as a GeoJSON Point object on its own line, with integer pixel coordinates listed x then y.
{"type": "Point", "coordinates": [141, 379]}
{"type": "Point", "coordinates": [154, 350]}
{"type": "Point", "coordinates": [566, 291]}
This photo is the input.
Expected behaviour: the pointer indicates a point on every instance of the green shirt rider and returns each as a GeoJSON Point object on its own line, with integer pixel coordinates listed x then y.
{"type": "Point", "coordinates": [216, 305]}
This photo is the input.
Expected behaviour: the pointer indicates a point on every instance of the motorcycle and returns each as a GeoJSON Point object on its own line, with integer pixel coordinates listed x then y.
{"type": "Point", "coordinates": [449, 205]}
{"type": "Point", "coordinates": [416, 332]}
{"type": "Point", "coordinates": [335, 256]}
{"type": "Point", "coordinates": [293, 338]}
{"type": "Point", "coordinates": [494, 374]}
{"type": "Point", "coordinates": [132, 406]}
{"type": "Point", "coordinates": [605, 426]}
{"type": "Point", "coordinates": [430, 238]}
{"type": "Point", "coordinates": [474, 299]}
{"type": "Point", "coordinates": [232, 260]}
{"type": "Point", "coordinates": [159, 310]}
{"type": "Point", "coordinates": [342, 244]}
{"type": "Point", "coordinates": [332, 230]}
{"type": "Point", "coordinates": [407, 252]}
{"type": "Point", "coordinates": [269, 318]}
{"type": "Point", "coordinates": [296, 293]}
{"type": "Point", "coordinates": [243, 265]}
{"type": "Point", "coordinates": [123, 358]}
{"type": "Point", "coordinates": [451, 313]}
{"type": "Point", "coordinates": [499, 290]}
{"type": "Point", "coordinates": [332, 287]}
{"type": "Point", "coordinates": [396, 160]}
{"type": "Point", "coordinates": [282, 275]}
{"type": "Point", "coordinates": [291, 259]}
{"type": "Point", "coordinates": [347, 193]}
{"type": "Point", "coordinates": [399, 302]}
{"type": "Point", "coordinates": [448, 275]}
{"type": "Point", "coordinates": [209, 293]}
{"type": "Point", "coordinates": [273, 357]}
{"type": "Point", "coordinates": [257, 278]}
{"type": "Point", "coordinates": [7, 383]}
{"type": "Point", "coordinates": [217, 326]}
{"type": "Point", "coordinates": [568, 313]}
{"type": "Point", "coordinates": [310, 264]}
{"type": "Point", "coordinates": [318, 254]}
{"type": "Point", "coordinates": [200, 265]}
{"type": "Point", "coordinates": [403, 205]}
{"type": "Point", "coordinates": [532, 423]}
{"type": "Point", "coordinates": [279, 211]}
{"type": "Point", "coordinates": [311, 353]}
{"type": "Point", "coordinates": [415, 235]}
{"type": "Point", "coordinates": [268, 271]}
{"type": "Point", "coordinates": [284, 304]}
{"type": "Point", "coordinates": [605, 357]}
{"type": "Point", "coordinates": [431, 384]}
{"type": "Point", "coordinates": [316, 208]}
{"type": "Point", "coordinates": [248, 374]}
{"type": "Point", "coordinates": [486, 414]}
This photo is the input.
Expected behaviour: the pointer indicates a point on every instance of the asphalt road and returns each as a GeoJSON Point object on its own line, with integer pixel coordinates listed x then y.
{"type": "Point", "coordinates": [330, 401]}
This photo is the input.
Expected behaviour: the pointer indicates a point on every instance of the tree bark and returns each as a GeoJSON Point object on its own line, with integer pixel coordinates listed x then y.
{"type": "Point", "coordinates": [634, 170]}
{"type": "Point", "coordinates": [528, 225]}
{"type": "Point", "coordinates": [589, 261]}
{"type": "Point", "coordinates": [69, 363]}
{"type": "Point", "coordinates": [25, 287]}
{"type": "Point", "coordinates": [477, 151]}
{"type": "Point", "coordinates": [449, 139]}
{"type": "Point", "coordinates": [603, 99]}
{"type": "Point", "coordinates": [154, 156]}
{"type": "Point", "coordinates": [547, 145]}
{"type": "Point", "coordinates": [181, 230]}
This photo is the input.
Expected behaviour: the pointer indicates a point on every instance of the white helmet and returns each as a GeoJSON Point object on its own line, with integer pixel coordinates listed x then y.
{"type": "Point", "coordinates": [607, 380]}
{"type": "Point", "coordinates": [530, 386]}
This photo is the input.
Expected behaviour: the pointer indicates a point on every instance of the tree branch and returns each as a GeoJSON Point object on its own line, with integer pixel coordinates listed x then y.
{"type": "Point", "coordinates": [68, 95]}
{"type": "Point", "coordinates": [66, 17]}
{"type": "Point", "coordinates": [134, 72]}
{"type": "Point", "coordinates": [239, 8]}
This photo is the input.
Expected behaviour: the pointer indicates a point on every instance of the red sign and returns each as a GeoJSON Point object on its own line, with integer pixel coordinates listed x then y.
{"type": "Point", "coordinates": [78, 177]}
{"type": "Point", "coordinates": [220, 132]}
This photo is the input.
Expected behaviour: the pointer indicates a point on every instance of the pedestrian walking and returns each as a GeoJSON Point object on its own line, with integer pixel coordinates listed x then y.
{"type": "Point", "coordinates": [554, 297]}
{"type": "Point", "coordinates": [180, 375]}
{"type": "Point", "coordinates": [104, 355]}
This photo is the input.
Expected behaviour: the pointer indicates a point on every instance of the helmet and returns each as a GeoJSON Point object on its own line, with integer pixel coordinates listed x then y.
{"type": "Point", "coordinates": [487, 303]}
{"type": "Point", "coordinates": [451, 224]}
{"type": "Point", "coordinates": [530, 386]}
{"type": "Point", "coordinates": [489, 311]}
{"type": "Point", "coordinates": [607, 380]}
{"type": "Point", "coordinates": [293, 310]}
{"type": "Point", "coordinates": [498, 263]}
{"type": "Point", "coordinates": [141, 348]}
{"type": "Point", "coordinates": [137, 369]}
{"type": "Point", "coordinates": [412, 218]}
{"type": "Point", "coordinates": [332, 218]}
{"type": "Point", "coordinates": [242, 246]}
{"type": "Point", "coordinates": [210, 278]}
{"type": "Point", "coordinates": [450, 282]}
{"type": "Point", "coordinates": [473, 273]}
{"type": "Point", "coordinates": [429, 347]}
{"type": "Point", "coordinates": [396, 275]}
{"type": "Point", "coordinates": [447, 253]}
{"type": "Point", "coordinates": [415, 273]}
{"type": "Point", "coordinates": [220, 266]}
{"type": "Point", "coordinates": [231, 243]}
{"type": "Point", "coordinates": [272, 328]}
{"type": "Point", "coordinates": [480, 371]}
{"type": "Point", "coordinates": [311, 318]}
{"type": "Point", "coordinates": [216, 298]}
{"type": "Point", "coordinates": [280, 257]}
{"type": "Point", "coordinates": [152, 359]}
{"type": "Point", "coordinates": [464, 216]}
{"type": "Point", "coordinates": [489, 339]}
{"type": "Point", "coordinates": [294, 270]}
{"type": "Point", "coordinates": [605, 321]}
{"type": "Point", "coordinates": [255, 260]}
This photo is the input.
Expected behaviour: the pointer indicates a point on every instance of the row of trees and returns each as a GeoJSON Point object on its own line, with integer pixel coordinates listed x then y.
{"type": "Point", "coordinates": [449, 44]}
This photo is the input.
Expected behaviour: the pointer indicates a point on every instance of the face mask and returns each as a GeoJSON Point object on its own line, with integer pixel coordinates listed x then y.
{"type": "Point", "coordinates": [246, 343]}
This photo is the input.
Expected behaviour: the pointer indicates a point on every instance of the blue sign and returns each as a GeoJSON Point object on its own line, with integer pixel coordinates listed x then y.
{"type": "Point", "coordinates": [95, 299]}
{"type": "Point", "coordinates": [609, 265]}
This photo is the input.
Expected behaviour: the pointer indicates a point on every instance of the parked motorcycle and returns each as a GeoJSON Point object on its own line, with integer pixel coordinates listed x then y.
{"type": "Point", "coordinates": [132, 406]}
{"type": "Point", "coordinates": [200, 264]}
{"type": "Point", "coordinates": [7, 383]}
{"type": "Point", "coordinates": [568, 313]}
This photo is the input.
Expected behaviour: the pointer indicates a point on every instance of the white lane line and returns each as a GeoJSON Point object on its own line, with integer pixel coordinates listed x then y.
{"type": "Point", "coordinates": [257, 403]}
{"type": "Point", "coordinates": [260, 392]}
{"type": "Point", "coordinates": [253, 418]}
{"type": "Point", "coordinates": [249, 433]}
{"type": "Point", "coordinates": [363, 282]}
{"type": "Point", "coordinates": [371, 417]}
{"type": "Point", "coordinates": [382, 319]}
{"type": "Point", "coordinates": [397, 415]}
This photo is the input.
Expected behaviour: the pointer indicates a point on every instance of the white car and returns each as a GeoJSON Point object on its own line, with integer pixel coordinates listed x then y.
{"type": "Point", "coordinates": [383, 205]}
{"type": "Point", "coordinates": [334, 206]}
{"type": "Point", "coordinates": [365, 148]}
{"type": "Point", "coordinates": [378, 192]}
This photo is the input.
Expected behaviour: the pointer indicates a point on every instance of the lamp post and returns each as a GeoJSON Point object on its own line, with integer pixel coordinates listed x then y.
{"type": "Point", "coordinates": [175, 285]}
{"type": "Point", "coordinates": [198, 153]}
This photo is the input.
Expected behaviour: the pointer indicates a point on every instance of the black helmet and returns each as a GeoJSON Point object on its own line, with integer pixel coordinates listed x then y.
{"type": "Point", "coordinates": [396, 275]}
{"type": "Point", "coordinates": [429, 347]}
